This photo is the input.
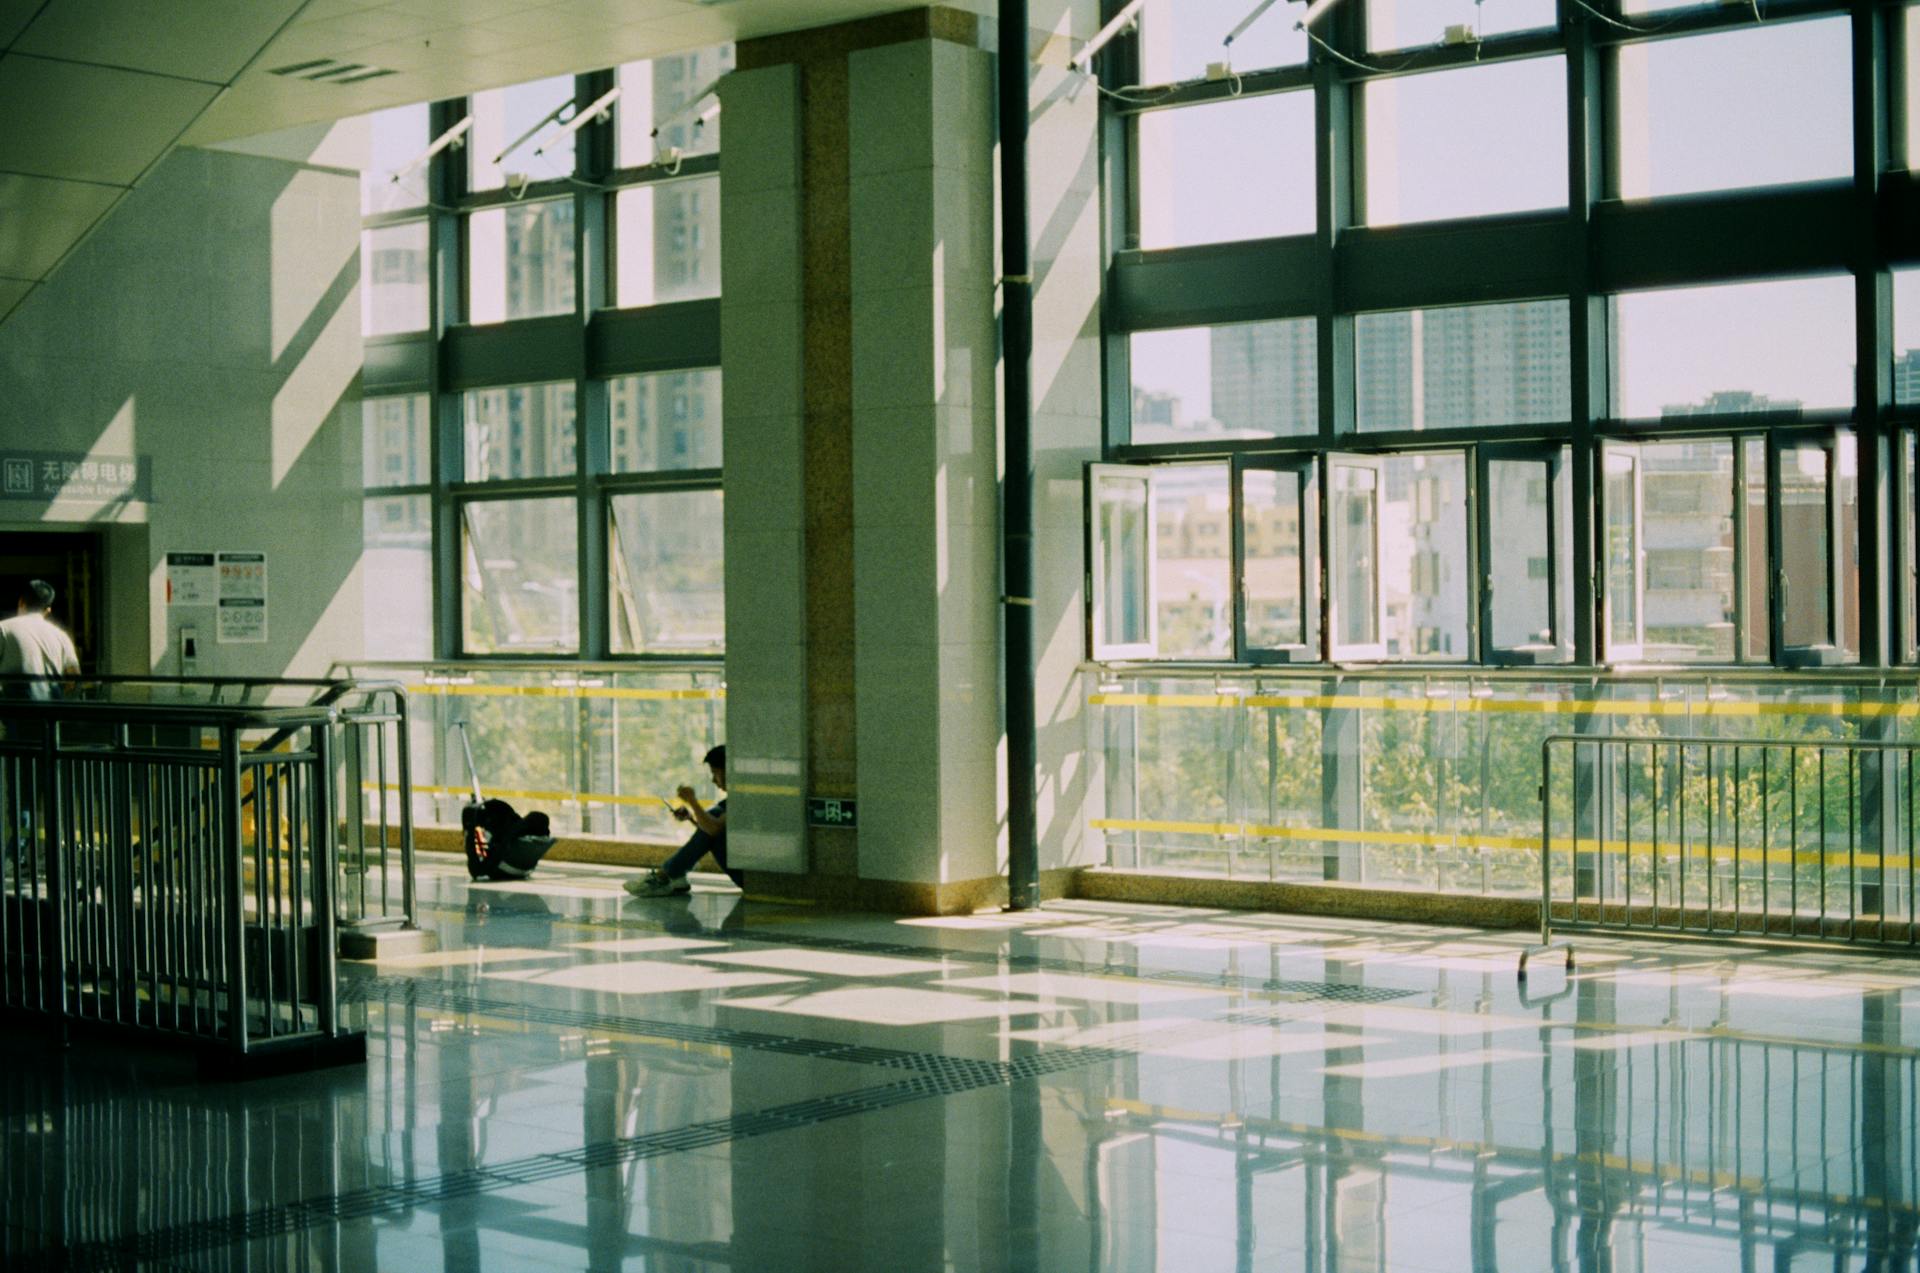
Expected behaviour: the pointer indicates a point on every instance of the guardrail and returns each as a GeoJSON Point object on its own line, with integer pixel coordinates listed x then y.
{"type": "Point", "coordinates": [592, 744]}
{"type": "Point", "coordinates": [161, 872]}
{"type": "Point", "coordinates": [375, 888]}
{"type": "Point", "coordinates": [1406, 777]}
{"type": "Point", "coordinates": [1808, 840]}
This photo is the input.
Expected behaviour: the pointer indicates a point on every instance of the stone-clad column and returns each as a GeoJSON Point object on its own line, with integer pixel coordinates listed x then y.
{"type": "Point", "coordinates": [862, 455]}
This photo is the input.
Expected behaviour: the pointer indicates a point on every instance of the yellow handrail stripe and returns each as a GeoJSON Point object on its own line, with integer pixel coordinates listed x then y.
{"type": "Point", "coordinates": [564, 797]}
{"type": "Point", "coordinates": [1509, 843]}
{"type": "Point", "coordinates": [1515, 706]}
{"type": "Point", "coordinates": [567, 691]}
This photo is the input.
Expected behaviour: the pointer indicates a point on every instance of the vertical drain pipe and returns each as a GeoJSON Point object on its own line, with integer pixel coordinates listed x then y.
{"type": "Point", "coordinates": [1016, 487]}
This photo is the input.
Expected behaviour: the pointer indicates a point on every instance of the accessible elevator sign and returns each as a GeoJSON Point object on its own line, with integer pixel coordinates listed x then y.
{"type": "Point", "coordinates": [45, 476]}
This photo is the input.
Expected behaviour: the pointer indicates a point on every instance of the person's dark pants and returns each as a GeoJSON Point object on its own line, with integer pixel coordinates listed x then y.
{"type": "Point", "coordinates": [698, 845]}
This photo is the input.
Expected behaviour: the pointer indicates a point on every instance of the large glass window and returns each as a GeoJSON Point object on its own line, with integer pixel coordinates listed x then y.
{"type": "Point", "coordinates": [1467, 142]}
{"type": "Point", "coordinates": [665, 590]}
{"type": "Point", "coordinates": [1237, 380]}
{"type": "Point", "coordinates": [1526, 494]}
{"type": "Point", "coordinates": [655, 94]}
{"type": "Point", "coordinates": [1733, 349]}
{"type": "Point", "coordinates": [395, 139]}
{"type": "Point", "coordinates": [396, 577]}
{"type": "Point", "coordinates": [664, 421]}
{"type": "Point", "coordinates": [519, 431]}
{"type": "Point", "coordinates": [1399, 556]}
{"type": "Point", "coordinates": [1764, 105]}
{"type": "Point", "coordinates": [1401, 24]}
{"type": "Point", "coordinates": [1463, 366]}
{"type": "Point", "coordinates": [1906, 336]}
{"type": "Point", "coordinates": [520, 261]}
{"type": "Point", "coordinates": [1180, 38]}
{"type": "Point", "coordinates": [1817, 530]}
{"type": "Point", "coordinates": [1192, 567]}
{"type": "Point", "coordinates": [395, 437]}
{"type": "Point", "coordinates": [1672, 551]}
{"type": "Point", "coordinates": [503, 117]}
{"type": "Point", "coordinates": [667, 242]}
{"type": "Point", "coordinates": [1279, 565]}
{"type": "Point", "coordinates": [518, 585]}
{"type": "Point", "coordinates": [1913, 85]}
{"type": "Point", "coordinates": [1237, 169]}
{"type": "Point", "coordinates": [393, 278]}
{"type": "Point", "coordinates": [1120, 505]}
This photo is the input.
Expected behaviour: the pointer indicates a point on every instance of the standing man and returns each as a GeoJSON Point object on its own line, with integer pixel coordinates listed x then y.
{"type": "Point", "coordinates": [32, 644]}
{"type": "Point", "coordinates": [709, 836]}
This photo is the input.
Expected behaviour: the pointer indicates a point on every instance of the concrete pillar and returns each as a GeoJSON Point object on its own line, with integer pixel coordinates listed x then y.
{"type": "Point", "coordinates": [860, 349]}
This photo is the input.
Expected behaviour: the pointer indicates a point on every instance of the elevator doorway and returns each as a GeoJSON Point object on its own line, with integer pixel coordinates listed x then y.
{"type": "Point", "coordinates": [72, 562]}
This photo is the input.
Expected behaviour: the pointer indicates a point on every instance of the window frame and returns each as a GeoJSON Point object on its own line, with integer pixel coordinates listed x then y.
{"type": "Point", "coordinates": [1556, 459]}
{"type": "Point", "coordinates": [1306, 471]}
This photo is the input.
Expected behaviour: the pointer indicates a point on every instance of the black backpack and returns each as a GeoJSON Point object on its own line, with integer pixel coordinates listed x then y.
{"type": "Point", "coordinates": [500, 844]}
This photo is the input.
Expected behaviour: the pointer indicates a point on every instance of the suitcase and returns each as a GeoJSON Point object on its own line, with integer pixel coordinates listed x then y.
{"type": "Point", "coordinates": [499, 843]}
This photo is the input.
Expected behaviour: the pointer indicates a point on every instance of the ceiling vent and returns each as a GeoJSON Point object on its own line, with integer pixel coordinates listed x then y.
{"type": "Point", "coordinates": [328, 70]}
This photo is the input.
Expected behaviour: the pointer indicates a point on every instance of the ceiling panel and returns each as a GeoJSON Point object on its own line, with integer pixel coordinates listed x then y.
{"type": "Point", "coordinates": [210, 40]}
{"type": "Point", "coordinates": [14, 16]}
{"type": "Point", "coordinates": [41, 218]}
{"type": "Point", "coordinates": [88, 122]}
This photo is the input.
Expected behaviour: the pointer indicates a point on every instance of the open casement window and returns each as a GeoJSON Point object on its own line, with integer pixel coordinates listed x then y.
{"type": "Point", "coordinates": [1623, 556]}
{"type": "Point", "coordinates": [1812, 523]}
{"type": "Point", "coordinates": [1120, 561]}
{"type": "Point", "coordinates": [1356, 492]}
{"type": "Point", "coordinates": [1526, 557]}
{"type": "Point", "coordinates": [1907, 540]}
{"type": "Point", "coordinates": [1276, 560]}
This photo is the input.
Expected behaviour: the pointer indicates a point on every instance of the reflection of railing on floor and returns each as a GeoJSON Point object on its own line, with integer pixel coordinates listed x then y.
{"type": "Point", "coordinates": [1401, 777]}
{"type": "Point", "coordinates": [1750, 1144]}
{"type": "Point", "coordinates": [1730, 837]}
{"type": "Point", "coordinates": [160, 872]}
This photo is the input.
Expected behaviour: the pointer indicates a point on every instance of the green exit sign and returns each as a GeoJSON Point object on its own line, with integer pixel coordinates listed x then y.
{"type": "Point", "coordinates": [829, 811]}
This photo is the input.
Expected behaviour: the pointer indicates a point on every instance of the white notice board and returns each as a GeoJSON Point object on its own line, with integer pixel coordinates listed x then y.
{"type": "Point", "coordinates": [243, 598]}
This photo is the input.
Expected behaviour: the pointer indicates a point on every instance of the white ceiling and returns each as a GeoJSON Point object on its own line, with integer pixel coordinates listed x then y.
{"type": "Point", "coordinates": [94, 93]}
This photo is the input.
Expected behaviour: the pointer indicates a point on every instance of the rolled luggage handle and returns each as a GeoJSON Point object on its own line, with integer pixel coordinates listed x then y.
{"type": "Point", "coordinates": [473, 773]}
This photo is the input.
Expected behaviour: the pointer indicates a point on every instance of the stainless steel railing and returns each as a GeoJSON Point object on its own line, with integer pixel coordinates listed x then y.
{"type": "Point", "coordinates": [372, 762]}
{"type": "Point", "coordinates": [1806, 839]}
{"type": "Point", "coordinates": [163, 871]}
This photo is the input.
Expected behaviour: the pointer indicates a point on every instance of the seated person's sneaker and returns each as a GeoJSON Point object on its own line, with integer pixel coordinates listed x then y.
{"type": "Point", "coordinates": [657, 884]}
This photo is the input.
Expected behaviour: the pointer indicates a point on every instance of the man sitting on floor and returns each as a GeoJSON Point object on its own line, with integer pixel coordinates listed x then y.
{"type": "Point", "coordinates": [709, 836]}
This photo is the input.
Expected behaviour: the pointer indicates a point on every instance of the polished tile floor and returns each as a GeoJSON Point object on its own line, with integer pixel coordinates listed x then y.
{"type": "Point", "coordinates": [578, 1080]}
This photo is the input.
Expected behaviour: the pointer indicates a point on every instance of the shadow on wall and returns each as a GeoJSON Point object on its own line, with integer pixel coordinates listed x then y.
{"type": "Point", "coordinates": [210, 328]}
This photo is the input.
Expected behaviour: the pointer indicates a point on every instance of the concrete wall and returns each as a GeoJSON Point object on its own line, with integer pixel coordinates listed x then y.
{"type": "Point", "coordinates": [213, 325]}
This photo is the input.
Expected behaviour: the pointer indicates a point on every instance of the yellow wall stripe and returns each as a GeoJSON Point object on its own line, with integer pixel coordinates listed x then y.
{"type": "Point", "coordinates": [1514, 706]}
{"type": "Point", "coordinates": [566, 691]}
{"type": "Point", "coordinates": [1694, 852]}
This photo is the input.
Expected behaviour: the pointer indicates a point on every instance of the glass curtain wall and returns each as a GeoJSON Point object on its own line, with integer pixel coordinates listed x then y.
{"type": "Point", "coordinates": [1588, 396]}
{"type": "Point", "coordinates": [568, 505]}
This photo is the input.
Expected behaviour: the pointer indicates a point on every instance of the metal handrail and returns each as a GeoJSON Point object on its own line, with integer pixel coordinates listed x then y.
{"type": "Point", "coordinates": [1877, 806]}
{"type": "Point", "coordinates": [1557, 674]}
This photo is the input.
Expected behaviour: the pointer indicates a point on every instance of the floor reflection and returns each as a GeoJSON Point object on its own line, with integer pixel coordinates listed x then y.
{"type": "Point", "coordinates": [580, 1081]}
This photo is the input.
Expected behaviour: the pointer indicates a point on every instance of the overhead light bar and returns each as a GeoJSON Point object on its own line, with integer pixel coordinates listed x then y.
{"type": "Point", "coordinates": [600, 108]}
{"type": "Point", "coordinates": [455, 136]}
{"type": "Point", "coordinates": [1125, 20]}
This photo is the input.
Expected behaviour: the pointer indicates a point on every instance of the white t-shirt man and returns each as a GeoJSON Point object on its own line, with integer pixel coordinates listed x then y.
{"type": "Point", "coordinates": [33, 645]}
